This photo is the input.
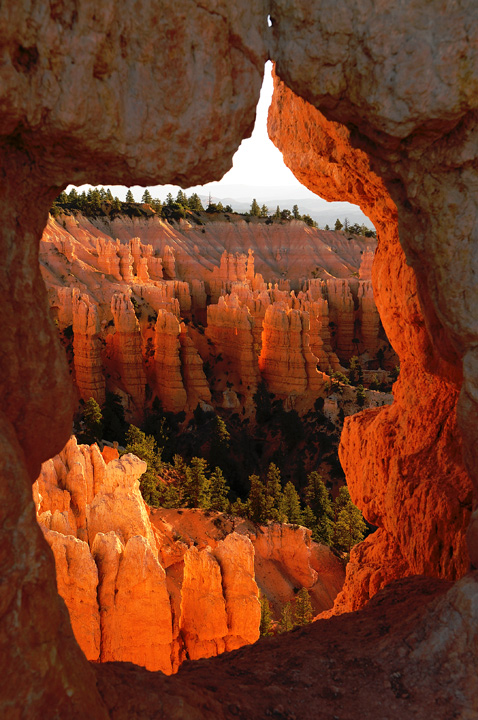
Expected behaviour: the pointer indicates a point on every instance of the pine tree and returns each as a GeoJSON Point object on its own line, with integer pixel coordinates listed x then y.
{"type": "Point", "coordinates": [264, 211]}
{"type": "Point", "coordinates": [295, 212]}
{"type": "Point", "coordinates": [197, 484]}
{"type": "Point", "coordinates": [360, 396]}
{"type": "Point", "coordinates": [255, 210]}
{"type": "Point", "coordinates": [318, 498]}
{"type": "Point", "coordinates": [169, 200]}
{"type": "Point", "coordinates": [146, 197]}
{"type": "Point", "coordinates": [144, 446]}
{"type": "Point", "coordinates": [265, 627]}
{"type": "Point", "coordinates": [303, 608]}
{"type": "Point", "coordinates": [182, 199]}
{"type": "Point", "coordinates": [277, 215]}
{"type": "Point", "coordinates": [274, 495]}
{"type": "Point", "coordinates": [286, 623]}
{"type": "Point", "coordinates": [257, 501]}
{"type": "Point", "coordinates": [129, 197]}
{"type": "Point", "coordinates": [291, 504]}
{"type": "Point", "coordinates": [219, 491]}
{"type": "Point", "coordinates": [350, 526]}
{"type": "Point", "coordinates": [93, 420]}
{"type": "Point", "coordinates": [338, 225]}
{"type": "Point", "coordinates": [195, 203]}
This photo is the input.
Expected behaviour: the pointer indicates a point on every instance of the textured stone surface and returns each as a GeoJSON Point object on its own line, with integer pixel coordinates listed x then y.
{"type": "Point", "coordinates": [77, 580]}
{"type": "Point", "coordinates": [408, 651]}
{"type": "Point", "coordinates": [405, 460]}
{"type": "Point", "coordinates": [140, 99]}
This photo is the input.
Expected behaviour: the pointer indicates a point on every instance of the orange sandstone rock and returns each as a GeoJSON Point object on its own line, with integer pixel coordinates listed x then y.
{"type": "Point", "coordinates": [236, 559]}
{"type": "Point", "coordinates": [77, 580]}
{"type": "Point", "coordinates": [87, 349]}
{"type": "Point", "coordinates": [169, 381]}
{"type": "Point", "coordinates": [203, 622]}
{"type": "Point", "coordinates": [134, 603]}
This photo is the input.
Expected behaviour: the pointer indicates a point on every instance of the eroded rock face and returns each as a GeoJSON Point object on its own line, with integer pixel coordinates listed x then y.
{"type": "Point", "coordinates": [392, 457]}
{"type": "Point", "coordinates": [412, 106]}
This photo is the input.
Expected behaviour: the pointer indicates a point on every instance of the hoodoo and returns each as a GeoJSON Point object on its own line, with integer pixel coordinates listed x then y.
{"type": "Point", "coordinates": [377, 105]}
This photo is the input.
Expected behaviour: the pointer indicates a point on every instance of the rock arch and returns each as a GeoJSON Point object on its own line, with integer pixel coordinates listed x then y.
{"type": "Point", "coordinates": [164, 92]}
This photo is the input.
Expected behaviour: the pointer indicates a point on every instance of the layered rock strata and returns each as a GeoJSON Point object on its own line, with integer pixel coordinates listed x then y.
{"type": "Point", "coordinates": [286, 362]}
{"type": "Point", "coordinates": [139, 591]}
{"type": "Point", "coordinates": [403, 461]}
{"type": "Point", "coordinates": [87, 348]}
{"type": "Point", "coordinates": [411, 107]}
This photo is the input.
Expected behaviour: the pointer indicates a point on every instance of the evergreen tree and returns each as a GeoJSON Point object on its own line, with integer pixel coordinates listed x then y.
{"type": "Point", "coordinates": [355, 371]}
{"type": "Point", "coordinates": [285, 214]}
{"type": "Point", "coordinates": [265, 627]}
{"type": "Point", "coordinates": [346, 224]}
{"type": "Point", "coordinates": [220, 443]}
{"type": "Point", "coordinates": [257, 501]}
{"type": "Point", "coordinates": [291, 504]}
{"type": "Point", "coordinates": [286, 623]}
{"type": "Point", "coordinates": [303, 608]}
{"type": "Point", "coordinates": [264, 211]}
{"type": "Point", "coordinates": [274, 496]}
{"type": "Point", "coordinates": [255, 210]}
{"type": "Point", "coordinates": [144, 446]}
{"type": "Point", "coordinates": [350, 526]}
{"type": "Point", "coordinates": [338, 225]}
{"type": "Point", "coordinates": [374, 384]}
{"type": "Point", "coordinates": [109, 196]}
{"type": "Point", "coordinates": [93, 420]}
{"type": "Point", "coordinates": [295, 212]}
{"type": "Point", "coordinates": [182, 199]}
{"type": "Point", "coordinates": [147, 197]}
{"type": "Point", "coordinates": [73, 196]}
{"type": "Point", "coordinates": [219, 491]}
{"type": "Point", "coordinates": [157, 206]}
{"type": "Point", "coordinates": [360, 396]}
{"type": "Point", "coordinates": [327, 227]}
{"type": "Point", "coordinates": [318, 499]}
{"type": "Point", "coordinates": [277, 215]}
{"type": "Point", "coordinates": [197, 484]}
{"type": "Point", "coordinates": [129, 196]}
{"type": "Point", "coordinates": [169, 200]}
{"type": "Point", "coordinates": [195, 203]}
{"type": "Point", "coordinates": [309, 520]}
{"type": "Point", "coordinates": [114, 423]}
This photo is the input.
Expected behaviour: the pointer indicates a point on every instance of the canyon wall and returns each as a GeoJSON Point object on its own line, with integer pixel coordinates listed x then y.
{"type": "Point", "coordinates": [403, 461]}
{"type": "Point", "coordinates": [136, 313]}
{"type": "Point", "coordinates": [403, 79]}
{"type": "Point", "coordinates": [157, 587]}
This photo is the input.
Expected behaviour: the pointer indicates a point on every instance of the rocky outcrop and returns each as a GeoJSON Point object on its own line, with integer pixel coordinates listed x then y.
{"type": "Point", "coordinates": [369, 318]}
{"type": "Point", "coordinates": [77, 581]}
{"type": "Point", "coordinates": [135, 611]}
{"type": "Point", "coordinates": [412, 107]}
{"type": "Point", "coordinates": [235, 555]}
{"type": "Point", "coordinates": [87, 348]}
{"type": "Point", "coordinates": [230, 328]}
{"type": "Point", "coordinates": [192, 369]}
{"type": "Point", "coordinates": [286, 362]}
{"type": "Point", "coordinates": [341, 318]}
{"type": "Point", "coordinates": [167, 363]}
{"type": "Point", "coordinates": [402, 461]}
{"type": "Point", "coordinates": [126, 349]}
